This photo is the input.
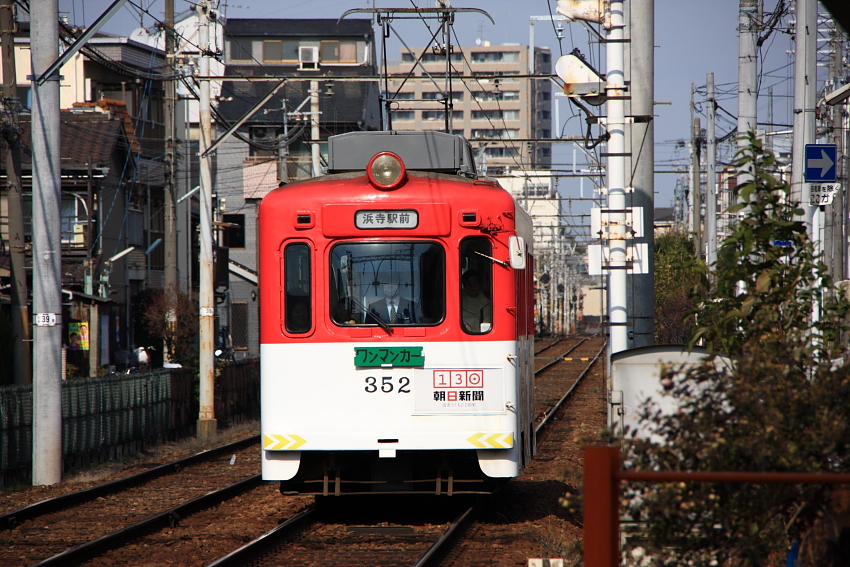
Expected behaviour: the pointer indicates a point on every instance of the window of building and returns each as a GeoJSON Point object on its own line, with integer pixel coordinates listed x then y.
{"type": "Point", "coordinates": [543, 115]}
{"type": "Point", "coordinates": [545, 58]}
{"type": "Point", "coordinates": [544, 133]}
{"type": "Point", "coordinates": [536, 189]}
{"type": "Point", "coordinates": [234, 230]}
{"type": "Point", "coordinates": [495, 114]}
{"type": "Point", "coordinates": [428, 115]}
{"type": "Point", "coordinates": [407, 58]}
{"type": "Point", "coordinates": [402, 96]}
{"type": "Point", "coordinates": [239, 325]}
{"type": "Point", "coordinates": [396, 283]}
{"type": "Point", "coordinates": [502, 152]}
{"type": "Point", "coordinates": [440, 57]}
{"type": "Point", "coordinates": [240, 50]}
{"type": "Point", "coordinates": [495, 57]}
{"type": "Point", "coordinates": [404, 115]}
{"type": "Point", "coordinates": [456, 96]}
{"type": "Point", "coordinates": [544, 152]}
{"type": "Point", "coordinates": [503, 133]}
{"type": "Point", "coordinates": [544, 95]}
{"type": "Point", "coordinates": [503, 76]}
{"type": "Point", "coordinates": [298, 287]}
{"type": "Point", "coordinates": [339, 51]}
{"type": "Point", "coordinates": [486, 96]}
{"type": "Point", "coordinates": [280, 50]}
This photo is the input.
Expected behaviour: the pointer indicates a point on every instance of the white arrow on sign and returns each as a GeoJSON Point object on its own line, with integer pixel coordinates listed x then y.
{"type": "Point", "coordinates": [824, 163]}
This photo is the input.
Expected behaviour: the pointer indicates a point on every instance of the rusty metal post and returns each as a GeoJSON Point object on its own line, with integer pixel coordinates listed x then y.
{"type": "Point", "coordinates": [601, 507]}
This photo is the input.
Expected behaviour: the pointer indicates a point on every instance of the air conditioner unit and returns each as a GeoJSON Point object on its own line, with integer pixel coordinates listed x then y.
{"type": "Point", "coordinates": [308, 58]}
{"type": "Point", "coordinates": [262, 133]}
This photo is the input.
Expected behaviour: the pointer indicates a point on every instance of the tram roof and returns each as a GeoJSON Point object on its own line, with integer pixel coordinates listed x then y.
{"type": "Point", "coordinates": [421, 151]}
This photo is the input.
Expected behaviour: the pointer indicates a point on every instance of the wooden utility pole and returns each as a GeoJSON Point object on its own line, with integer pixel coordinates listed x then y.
{"type": "Point", "coordinates": [21, 356]}
{"type": "Point", "coordinates": [696, 189]}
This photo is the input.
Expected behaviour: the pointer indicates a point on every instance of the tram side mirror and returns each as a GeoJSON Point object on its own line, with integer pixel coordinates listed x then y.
{"type": "Point", "coordinates": [516, 244]}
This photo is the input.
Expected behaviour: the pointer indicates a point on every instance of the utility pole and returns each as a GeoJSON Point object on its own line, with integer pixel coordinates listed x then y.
{"type": "Point", "coordinates": [47, 248]}
{"type": "Point", "coordinates": [710, 172]}
{"type": "Point", "coordinates": [834, 225]}
{"type": "Point", "coordinates": [696, 190]}
{"type": "Point", "coordinates": [314, 127]}
{"type": "Point", "coordinates": [207, 425]}
{"type": "Point", "coordinates": [617, 230]}
{"type": "Point", "coordinates": [748, 12]}
{"type": "Point", "coordinates": [642, 86]}
{"type": "Point", "coordinates": [805, 56]}
{"type": "Point", "coordinates": [21, 361]}
{"type": "Point", "coordinates": [170, 212]}
{"type": "Point", "coordinates": [283, 149]}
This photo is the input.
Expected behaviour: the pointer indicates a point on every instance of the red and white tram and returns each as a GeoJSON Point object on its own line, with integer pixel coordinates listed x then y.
{"type": "Point", "coordinates": [397, 322]}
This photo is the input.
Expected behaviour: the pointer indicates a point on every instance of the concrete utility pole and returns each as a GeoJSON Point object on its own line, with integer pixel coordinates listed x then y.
{"type": "Point", "coordinates": [748, 12]}
{"type": "Point", "coordinates": [21, 360]}
{"type": "Point", "coordinates": [617, 230]}
{"type": "Point", "coordinates": [170, 212]}
{"type": "Point", "coordinates": [642, 86]}
{"type": "Point", "coordinates": [710, 172]}
{"type": "Point", "coordinates": [314, 127]}
{"type": "Point", "coordinates": [47, 248]}
{"type": "Point", "coordinates": [805, 84]}
{"type": "Point", "coordinates": [207, 425]}
{"type": "Point", "coordinates": [283, 150]}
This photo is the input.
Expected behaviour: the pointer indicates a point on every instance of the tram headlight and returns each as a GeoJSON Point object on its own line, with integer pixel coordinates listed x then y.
{"type": "Point", "coordinates": [386, 170]}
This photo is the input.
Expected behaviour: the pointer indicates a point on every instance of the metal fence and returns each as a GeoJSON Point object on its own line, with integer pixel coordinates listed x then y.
{"type": "Point", "coordinates": [105, 418]}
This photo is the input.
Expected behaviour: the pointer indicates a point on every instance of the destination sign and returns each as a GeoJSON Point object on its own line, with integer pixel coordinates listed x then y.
{"type": "Point", "coordinates": [386, 219]}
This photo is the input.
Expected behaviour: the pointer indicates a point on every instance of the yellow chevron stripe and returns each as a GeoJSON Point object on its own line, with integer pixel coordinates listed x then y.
{"type": "Point", "coordinates": [278, 442]}
{"type": "Point", "coordinates": [475, 440]}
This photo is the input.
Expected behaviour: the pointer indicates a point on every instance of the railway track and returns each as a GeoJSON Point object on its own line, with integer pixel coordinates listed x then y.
{"type": "Point", "coordinates": [106, 515]}
{"type": "Point", "coordinates": [194, 528]}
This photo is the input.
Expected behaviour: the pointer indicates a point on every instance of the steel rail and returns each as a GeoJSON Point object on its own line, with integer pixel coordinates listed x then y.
{"type": "Point", "coordinates": [560, 358]}
{"type": "Point", "coordinates": [171, 517]}
{"type": "Point", "coordinates": [254, 550]}
{"type": "Point", "coordinates": [438, 550]}
{"type": "Point", "coordinates": [549, 346]}
{"type": "Point", "coordinates": [15, 517]}
{"type": "Point", "coordinates": [554, 409]}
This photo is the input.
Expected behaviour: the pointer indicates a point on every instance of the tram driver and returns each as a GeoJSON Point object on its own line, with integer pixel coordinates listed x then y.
{"type": "Point", "coordinates": [393, 308]}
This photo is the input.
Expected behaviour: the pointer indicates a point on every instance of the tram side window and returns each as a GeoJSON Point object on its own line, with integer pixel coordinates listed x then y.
{"type": "Point", "coordinates": [476, 277]}
{"type": "Point", "coordinates": [297, 277]}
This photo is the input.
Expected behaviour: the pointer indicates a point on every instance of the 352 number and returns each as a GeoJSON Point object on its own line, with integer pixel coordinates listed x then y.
{"type": "Point", "coordinates": [386, 385]}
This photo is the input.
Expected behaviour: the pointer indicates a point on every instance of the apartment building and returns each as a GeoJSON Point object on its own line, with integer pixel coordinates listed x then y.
{"type": "Point", "coordinates": [504, 114]}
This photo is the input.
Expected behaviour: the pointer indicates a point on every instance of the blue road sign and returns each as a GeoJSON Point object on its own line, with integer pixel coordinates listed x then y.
{"type": "Point", "coordinates": [820, 163]}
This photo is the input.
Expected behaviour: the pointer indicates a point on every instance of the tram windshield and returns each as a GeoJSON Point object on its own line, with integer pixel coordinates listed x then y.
{"type": "Point", "coordinates": [387, 283]}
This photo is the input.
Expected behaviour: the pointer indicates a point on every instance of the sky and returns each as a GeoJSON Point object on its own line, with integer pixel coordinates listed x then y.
{"type": "Point", "coordinates": [691, 37]}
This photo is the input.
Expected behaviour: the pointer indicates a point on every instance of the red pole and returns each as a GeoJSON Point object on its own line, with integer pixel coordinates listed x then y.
{"type": "Point", "coordinates": [601, 507]}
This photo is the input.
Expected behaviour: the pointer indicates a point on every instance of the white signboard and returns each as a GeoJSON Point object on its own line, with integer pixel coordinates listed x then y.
{"type": "Point", "coordinates": [45, 320]}
{"type": "Point", "coordinates": [822, 193]}
{"type": "Point", "coordinates": [386, 219]}
{"type": "Point", "coordinates": [459, 390]}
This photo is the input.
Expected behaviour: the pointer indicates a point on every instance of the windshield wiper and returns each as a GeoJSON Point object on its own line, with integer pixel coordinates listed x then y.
{"type": "Point", "coordinates": [359, 305]}
{"type": "Point", "coordinates": [500, 262]}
